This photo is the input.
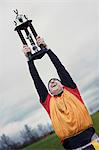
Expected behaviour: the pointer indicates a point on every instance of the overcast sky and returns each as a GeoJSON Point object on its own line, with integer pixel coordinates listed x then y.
{"type": "Point", "coordinates": [70, 28]}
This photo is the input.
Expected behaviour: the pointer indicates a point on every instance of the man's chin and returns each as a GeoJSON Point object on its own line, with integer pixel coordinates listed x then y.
{"type": "Point", "coordinates": [57, 92]}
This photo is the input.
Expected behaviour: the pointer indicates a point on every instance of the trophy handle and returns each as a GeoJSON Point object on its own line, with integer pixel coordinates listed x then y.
{"type": "Point", "coordinates": [21, 37]}
{"type": "Point", "coordinates": [35, 35]}
{"type": "Point", "coordinates": [24, 42]}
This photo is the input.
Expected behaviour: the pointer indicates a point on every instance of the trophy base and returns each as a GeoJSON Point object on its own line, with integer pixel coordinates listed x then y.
{"type": "Point", "coordinates": [39, 54]}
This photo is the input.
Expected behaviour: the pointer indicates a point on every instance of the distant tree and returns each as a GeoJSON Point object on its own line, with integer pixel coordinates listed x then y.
{"type": "Point", "coordinates": [29, 134]}
{"type": "Point", "coordinates": [49, 127]}
{"type": "Point", "coordinates": [6, 143]}
{"type": "Point", "coordinates": [41, 129]}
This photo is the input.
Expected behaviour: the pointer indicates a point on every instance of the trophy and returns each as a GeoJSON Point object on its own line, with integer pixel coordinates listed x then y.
{"type": "Point", "coordinates": [24, 25]}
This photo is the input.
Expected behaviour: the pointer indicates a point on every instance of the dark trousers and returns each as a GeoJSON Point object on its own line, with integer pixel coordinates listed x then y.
{"type": "Point", "coordinates": [79, 140]}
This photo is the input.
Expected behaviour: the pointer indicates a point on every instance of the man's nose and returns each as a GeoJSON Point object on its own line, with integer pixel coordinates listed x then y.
{"type": "Point", "coordinates": [52, 81]}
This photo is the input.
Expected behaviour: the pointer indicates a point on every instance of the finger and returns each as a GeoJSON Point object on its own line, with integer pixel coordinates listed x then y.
{"type": "Point", "coordinates": [25, 46]}
{"type": "Point", "coordinates": [38, 37]}
{"type": "Point", "coordinates": [40, 40]}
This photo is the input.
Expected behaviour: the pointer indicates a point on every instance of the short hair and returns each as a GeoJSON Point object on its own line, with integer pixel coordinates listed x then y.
{"type": "Point", "coordinates": [52, 79]}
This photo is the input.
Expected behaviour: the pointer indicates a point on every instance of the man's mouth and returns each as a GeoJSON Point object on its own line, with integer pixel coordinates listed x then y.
{"type": "Point", "coordinates": [55, 87]}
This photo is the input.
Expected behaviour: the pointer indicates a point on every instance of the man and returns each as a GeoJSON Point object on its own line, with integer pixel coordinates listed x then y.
{"type": "Point", "coordinates": [70, 118]}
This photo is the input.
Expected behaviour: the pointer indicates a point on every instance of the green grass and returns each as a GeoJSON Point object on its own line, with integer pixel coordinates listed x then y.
{"type": "Point", "coordinates": [95, 118]}
{"type": "Point", "coordinates": [52, 142]}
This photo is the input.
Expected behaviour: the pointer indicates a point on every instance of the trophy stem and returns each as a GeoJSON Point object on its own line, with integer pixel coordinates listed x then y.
{"type": "Point", "coordinates": [31, 40]}
{"type": "Point", "coordinates": [29, 36]}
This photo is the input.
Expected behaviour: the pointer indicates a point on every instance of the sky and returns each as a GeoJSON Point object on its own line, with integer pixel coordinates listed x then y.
{"type": "Point", "coordinates": [70, 28]}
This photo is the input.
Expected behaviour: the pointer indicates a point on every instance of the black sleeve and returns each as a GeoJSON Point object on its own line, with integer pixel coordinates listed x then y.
{"type": "Point", "coordinates": [41, 88]}
{"type": "Point", "coordinates": [62, 72]}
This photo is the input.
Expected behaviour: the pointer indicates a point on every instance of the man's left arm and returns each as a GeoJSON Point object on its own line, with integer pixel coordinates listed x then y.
{"type": "Point", "coordinates": [62, 72]}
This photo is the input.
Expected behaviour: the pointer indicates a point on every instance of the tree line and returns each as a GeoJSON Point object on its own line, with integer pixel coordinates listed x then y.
{"type": "Point", "coordinates": [27, 136]}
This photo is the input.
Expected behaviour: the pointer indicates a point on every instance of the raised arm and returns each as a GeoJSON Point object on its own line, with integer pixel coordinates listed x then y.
{"type": "Point", "coordinates": [62, 72]}
{"type": "Point", "coordinates": [41, 88]}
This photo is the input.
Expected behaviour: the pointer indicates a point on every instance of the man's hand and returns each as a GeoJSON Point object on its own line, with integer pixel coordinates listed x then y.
{"type": "Point", "coordinates": [26, 49]}
{"type": "Point", "coordinates": [40, 41]}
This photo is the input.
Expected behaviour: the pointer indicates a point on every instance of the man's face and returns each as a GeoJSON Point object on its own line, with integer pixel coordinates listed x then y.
{"type": "Point", "coordinates": [55, 87]}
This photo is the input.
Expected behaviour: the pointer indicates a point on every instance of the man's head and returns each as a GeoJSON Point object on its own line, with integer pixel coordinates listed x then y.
{"type": "Point", "coordinates": [55, 87]}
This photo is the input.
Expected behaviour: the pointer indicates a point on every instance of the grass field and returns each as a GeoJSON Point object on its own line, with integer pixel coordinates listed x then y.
{"type": "Point", "coordinates": [95, 118]}
{"type": "Point", "coordinates": [53, 143]}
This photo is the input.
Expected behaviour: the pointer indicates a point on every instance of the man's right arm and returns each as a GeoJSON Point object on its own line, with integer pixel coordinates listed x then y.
{"type": "Point", "coordinates": [41, 89]}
